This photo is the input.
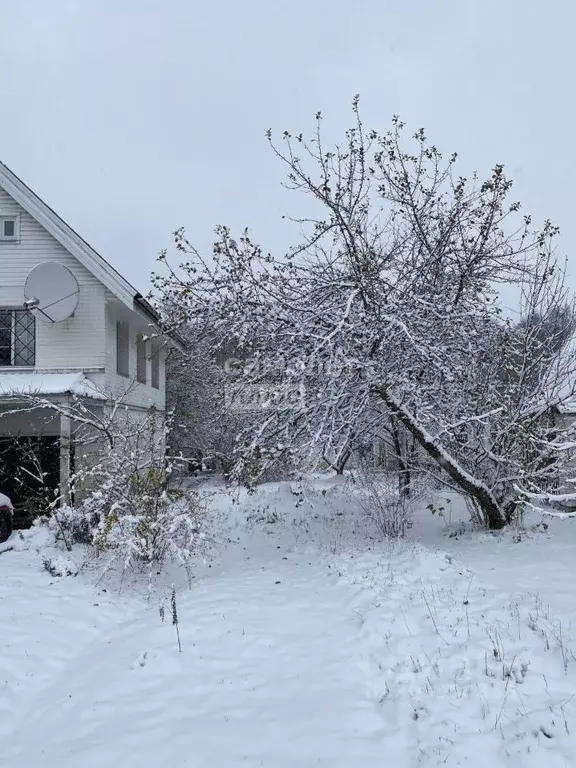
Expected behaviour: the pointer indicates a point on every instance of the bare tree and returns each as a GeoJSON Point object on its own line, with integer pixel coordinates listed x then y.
{"type": "Point", "coordinates": [389, 306]}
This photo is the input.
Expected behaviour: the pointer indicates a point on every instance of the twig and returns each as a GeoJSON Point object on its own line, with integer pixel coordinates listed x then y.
{"type": "Point", "coordinates": [433, 619]}
{"type": "Point", "coordinates": [175, 616]}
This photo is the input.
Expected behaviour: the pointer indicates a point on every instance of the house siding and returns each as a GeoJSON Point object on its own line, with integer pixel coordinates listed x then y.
{"type": "Point", "coordinates": [133, 392]}
{"type": "Point", "coordinates": [74, 344]}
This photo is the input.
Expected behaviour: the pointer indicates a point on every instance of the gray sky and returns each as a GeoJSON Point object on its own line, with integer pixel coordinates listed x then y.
{"type": "Point", "coordinates": [133, 117]}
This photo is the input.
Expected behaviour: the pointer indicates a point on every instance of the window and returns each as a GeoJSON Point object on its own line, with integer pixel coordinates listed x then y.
{"type": "Point", "coordinates": [9, 228]}
{"type": "Point", "coordinates": [123, 349]}
{"type": "Point", "coordinates": [17, 337]}
{"type": "Point", "coordinates": [155, 357]}
{"type": "Point", "coordinates": [141, 359]}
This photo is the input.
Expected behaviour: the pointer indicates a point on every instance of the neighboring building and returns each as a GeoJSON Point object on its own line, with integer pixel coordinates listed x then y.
{"type": "Point", "coordinates": [97, 353]}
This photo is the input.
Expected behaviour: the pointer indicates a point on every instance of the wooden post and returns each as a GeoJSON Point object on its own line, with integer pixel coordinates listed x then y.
{"type": "Point", "coordinates": [65, 440]}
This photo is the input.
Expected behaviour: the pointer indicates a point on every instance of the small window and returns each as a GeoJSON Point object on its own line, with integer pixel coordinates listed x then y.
{"type": "Point", "coordinates": [17, 338]}
{"type": "Point", "coordinates": [9, 228]}
{"type": "Point", "coordinates": [123, 349]}
{"type": "Point", "coordinates": [155, 357]}
{"type": "Point", "coordinates": [141, 359]}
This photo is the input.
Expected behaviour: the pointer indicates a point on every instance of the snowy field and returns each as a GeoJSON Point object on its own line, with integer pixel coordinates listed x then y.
{"type": "Point", "coordinates": [307, 643]}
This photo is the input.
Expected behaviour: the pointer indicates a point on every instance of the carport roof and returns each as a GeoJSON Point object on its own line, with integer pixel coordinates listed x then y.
{"type": "Point", "coordinates": [38, 384]}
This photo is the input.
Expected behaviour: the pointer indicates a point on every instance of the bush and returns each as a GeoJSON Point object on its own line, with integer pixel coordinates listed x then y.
{"type": "Point", "coordinates": [124, 502]}
{"type": "Point", "coordinates": [137, 522]}
{"type": "Point", "coordinates": [380, 499]}
{"type": "Point", "coordinates": [140, 521]}
{"type": "Point", "coordinates": [60, 566]}
{"type": "Point", "coordinates": [71, 525]}
{"type": "Point", "coordinates": [154, 526]}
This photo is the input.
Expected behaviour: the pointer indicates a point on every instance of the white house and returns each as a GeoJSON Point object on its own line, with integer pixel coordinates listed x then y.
{"type": "Point", "coordinates": [97, 353]}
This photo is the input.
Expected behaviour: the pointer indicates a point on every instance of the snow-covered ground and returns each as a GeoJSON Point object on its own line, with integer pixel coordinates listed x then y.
{"type": "Point", "coordinates": [308, 643]}
{"type": "Point", "coordinates": [539, 560]}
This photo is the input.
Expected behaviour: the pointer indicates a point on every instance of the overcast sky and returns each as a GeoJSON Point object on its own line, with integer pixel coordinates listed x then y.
{"type": "Point", "coordinates": [134, 117]}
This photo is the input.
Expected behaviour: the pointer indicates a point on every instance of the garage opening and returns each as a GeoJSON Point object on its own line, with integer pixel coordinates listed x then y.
{"type": "Point", "coordinates": [29, 475]}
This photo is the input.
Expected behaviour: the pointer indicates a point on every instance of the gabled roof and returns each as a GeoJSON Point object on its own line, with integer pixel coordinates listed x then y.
{"type": "Point", "coordinates": [72, 241]}
{"type": "Point", "coordinates": [80, 249]}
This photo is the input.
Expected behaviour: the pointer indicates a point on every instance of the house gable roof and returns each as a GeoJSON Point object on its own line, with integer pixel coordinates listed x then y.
{"type": "Point", "coordinates": [80, 249]}
{"type": "Point", "coordinates": [69, 239]}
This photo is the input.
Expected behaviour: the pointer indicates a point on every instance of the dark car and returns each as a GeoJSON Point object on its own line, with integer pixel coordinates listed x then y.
{"type": "Point", "coordinates": [6, 515]}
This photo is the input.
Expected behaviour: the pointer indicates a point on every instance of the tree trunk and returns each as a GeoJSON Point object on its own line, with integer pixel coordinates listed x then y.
{"type": "Point", "coordinates": [493, 514]}
{"type": "Point", "coordinates": [339, 465]}
{"type": "Point", "coordinates": [404, 479]}
{"type": "Point", "coordinates": [342, 461]}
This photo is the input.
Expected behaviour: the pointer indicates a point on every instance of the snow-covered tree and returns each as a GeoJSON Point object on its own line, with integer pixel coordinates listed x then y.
{"type": "Point", "coordinates": [205, 398]}
{"type": "Point", "coordinates": [195, 397]}
{"type": "Point", "coordinates": [389, 305]}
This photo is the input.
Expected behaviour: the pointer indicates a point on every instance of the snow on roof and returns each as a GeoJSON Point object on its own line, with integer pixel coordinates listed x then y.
{"type": "Point", "coordinates": [35, 383]}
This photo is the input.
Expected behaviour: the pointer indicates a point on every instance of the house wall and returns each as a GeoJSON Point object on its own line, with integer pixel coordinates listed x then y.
{"type": "Point", "coordinates": [77, 343]}
{"type": "Point", "coordinates": [134, 393]}
{"type": "Point", "coordinates": [565, 421]}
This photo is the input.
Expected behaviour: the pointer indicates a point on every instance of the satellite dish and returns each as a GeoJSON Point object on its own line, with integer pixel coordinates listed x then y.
{"type": "Point", "coordinates": [52, 291]}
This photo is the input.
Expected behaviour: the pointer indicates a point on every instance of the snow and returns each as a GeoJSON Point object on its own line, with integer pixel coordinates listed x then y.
{"type": "Point", "coordinates": [44, 384]}
{"type": "Point", "coordinates": [5, 501]}
{"type": "Point", "coordinates": [538, 563]}
{"type": "Point", "coordinates": [60, 566]}
{"type": "Point", "coordinates": [308, 643]}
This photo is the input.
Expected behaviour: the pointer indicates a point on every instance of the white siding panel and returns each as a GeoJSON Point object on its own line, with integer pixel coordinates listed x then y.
{"type": "Point", "coordinates": [76, 343]}
{"type": "Point", "coordinates": [136, 394]}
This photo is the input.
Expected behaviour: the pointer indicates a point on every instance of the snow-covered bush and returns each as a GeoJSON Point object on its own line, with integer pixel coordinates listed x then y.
{"type": "Point", "coordinates": [381, 500]}
{"type": "Point", "coordinates": [137, 521]}
{"type": "Point", "coordinates": [60, 566]}
{"type": "Point", "coordinates": [122, 499]}
{"type": "Point", "coordinates": [142, 521]}
{"type": "Point", "coordinates": [71, 525]}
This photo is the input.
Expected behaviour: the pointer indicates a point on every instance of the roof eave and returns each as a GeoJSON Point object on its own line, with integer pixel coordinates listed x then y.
{"type": "Point", "coordinates": [144, 307]}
